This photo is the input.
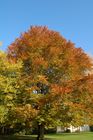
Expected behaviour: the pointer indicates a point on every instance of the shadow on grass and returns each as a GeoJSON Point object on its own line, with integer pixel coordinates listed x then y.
{"type": "Point", "coordinates": [47, 137]}
{"type": "Point", "coordinates": [17, 138]}
{"type": "Point", "coordinates": [20, 138]}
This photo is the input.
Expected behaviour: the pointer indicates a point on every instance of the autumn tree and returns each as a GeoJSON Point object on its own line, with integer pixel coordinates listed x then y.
{"type": "Point", "coordinates": [55, 79]}
{"type": "Point", "coordinates": [9, 74]}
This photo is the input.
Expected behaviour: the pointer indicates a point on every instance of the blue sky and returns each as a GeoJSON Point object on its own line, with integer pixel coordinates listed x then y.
{"type": "Point", "coordinates": [72, 18]}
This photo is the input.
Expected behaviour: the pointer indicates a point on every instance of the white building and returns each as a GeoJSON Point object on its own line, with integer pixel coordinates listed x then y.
{"type": "Point", "coordinates": [83, 128]}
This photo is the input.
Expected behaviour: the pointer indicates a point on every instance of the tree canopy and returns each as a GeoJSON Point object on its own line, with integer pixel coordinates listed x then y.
{"type": "Point", "coordinates": [55, 82]}
{"type": "Point", "coordinates": [9, 75]}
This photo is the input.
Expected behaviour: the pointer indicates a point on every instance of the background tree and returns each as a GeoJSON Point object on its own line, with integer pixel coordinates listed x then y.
{"type": "Point", "coordinates": [9, 74]}
{"type": "Point", "coordinates": [54, 81]}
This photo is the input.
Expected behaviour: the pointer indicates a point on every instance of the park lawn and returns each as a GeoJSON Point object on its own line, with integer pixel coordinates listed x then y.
{"type": "Point", "coordinates": [69, 136]}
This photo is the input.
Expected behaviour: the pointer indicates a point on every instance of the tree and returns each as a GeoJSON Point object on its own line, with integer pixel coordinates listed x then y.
{"type": "Point", "coordinates": [54, 83]}
{"type": "Point", "coordinates": [9, 74]}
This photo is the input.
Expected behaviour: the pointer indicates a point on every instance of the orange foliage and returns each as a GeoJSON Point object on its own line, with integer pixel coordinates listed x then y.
{"type": "Point", "coordinates": [58, 70]}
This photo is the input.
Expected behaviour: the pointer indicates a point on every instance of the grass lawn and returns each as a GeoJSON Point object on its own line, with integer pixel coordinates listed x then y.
{"type": "Point", "coordinates": [70, 136]}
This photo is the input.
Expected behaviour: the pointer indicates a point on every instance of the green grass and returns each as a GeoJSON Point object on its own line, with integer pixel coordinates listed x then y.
{"type": "Point", "coordinates": [69, 136]}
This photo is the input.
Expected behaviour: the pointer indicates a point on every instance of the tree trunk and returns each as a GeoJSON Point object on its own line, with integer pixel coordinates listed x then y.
{"type": "Point", "coordinates": [3, 130]}
{"type": "Point", "coordinates": [40, 132]}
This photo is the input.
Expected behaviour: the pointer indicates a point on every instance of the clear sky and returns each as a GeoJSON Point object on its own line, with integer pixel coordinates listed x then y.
{"type": "Point", "coordinates": [72, 18]}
